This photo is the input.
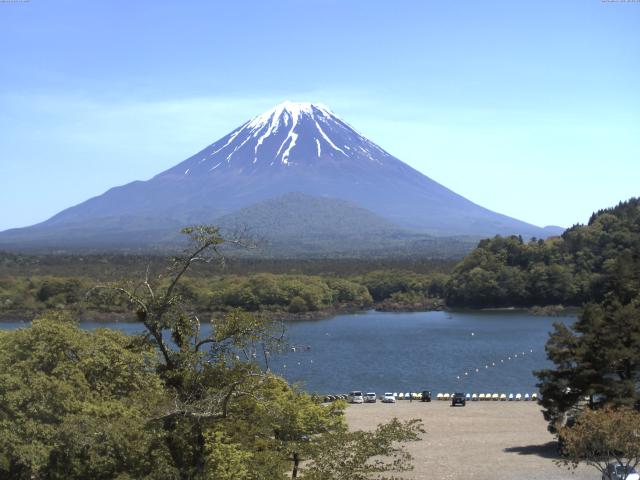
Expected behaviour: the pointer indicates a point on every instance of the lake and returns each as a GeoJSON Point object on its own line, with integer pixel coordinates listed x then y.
{"type": "Point", "coordinates": [375, 351]}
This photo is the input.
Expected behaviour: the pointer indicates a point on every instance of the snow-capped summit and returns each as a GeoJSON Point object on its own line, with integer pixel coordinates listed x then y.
{"type": "Point", "coordinates": [289, 110]}
{"type": "Point", "coordinates": [293, 147]}
{"type": "Point", "coordinates": [291, 133]}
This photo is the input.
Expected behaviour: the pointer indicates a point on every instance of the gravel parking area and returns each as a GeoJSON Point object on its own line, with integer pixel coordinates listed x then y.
{"type": "Point", "coordinates": [482, 441]}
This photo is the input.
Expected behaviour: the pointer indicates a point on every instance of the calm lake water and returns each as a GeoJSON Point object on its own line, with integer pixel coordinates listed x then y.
{"type": "Point", "coordinates": [397, 352]}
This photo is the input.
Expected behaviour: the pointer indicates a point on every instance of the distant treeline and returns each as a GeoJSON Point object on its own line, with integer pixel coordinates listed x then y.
{"type": "Point", "coordinates": [115, 266]}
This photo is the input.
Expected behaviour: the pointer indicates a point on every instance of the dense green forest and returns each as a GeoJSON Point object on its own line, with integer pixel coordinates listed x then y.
{"type": "Point", "coordinates": [582, 265]}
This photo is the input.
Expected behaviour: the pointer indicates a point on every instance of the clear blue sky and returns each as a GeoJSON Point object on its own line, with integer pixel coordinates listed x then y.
{"type": "Point", "coordinates": [528, 108]}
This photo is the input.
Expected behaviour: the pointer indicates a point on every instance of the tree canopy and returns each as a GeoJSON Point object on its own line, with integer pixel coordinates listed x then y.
{"type": "Point", "coordinates": [603, 437]}
{"type": "Point", "coordinates": [582, 265]}
{"type": "Point", "coordinates": [598, 357]}
{"type": "Point", "coordinates": [76, 404]}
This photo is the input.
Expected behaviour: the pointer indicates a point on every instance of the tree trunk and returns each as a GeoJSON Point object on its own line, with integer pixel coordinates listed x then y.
{"type": "Point", "coordinates": [296, 463]}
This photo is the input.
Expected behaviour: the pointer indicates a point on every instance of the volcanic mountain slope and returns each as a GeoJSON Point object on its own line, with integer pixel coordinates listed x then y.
{"type": "Point", "coordinates": [298, 225]}
{"type": "Point", "coordinates": [294, 147]}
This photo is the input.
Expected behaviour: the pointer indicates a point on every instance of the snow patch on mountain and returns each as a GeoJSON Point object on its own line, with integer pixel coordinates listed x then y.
{"type": "Point", "coordinates": [285, 135]}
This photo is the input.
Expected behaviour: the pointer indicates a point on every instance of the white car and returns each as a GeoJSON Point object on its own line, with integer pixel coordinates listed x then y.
{"type": "Point", "coordinates": [355, 397]}
{"type": "Point", "coordinates": [389, 398]}
{"type": "Point", "coordinates": [370, 397]}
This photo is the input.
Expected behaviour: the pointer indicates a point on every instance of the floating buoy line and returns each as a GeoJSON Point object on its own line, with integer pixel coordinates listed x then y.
{"type": "Point", "coordinates": [493, 364]}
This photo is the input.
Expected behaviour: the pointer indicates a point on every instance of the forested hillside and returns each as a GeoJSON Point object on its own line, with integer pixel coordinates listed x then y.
{"type": "Point", "coordinates": [580, 266]}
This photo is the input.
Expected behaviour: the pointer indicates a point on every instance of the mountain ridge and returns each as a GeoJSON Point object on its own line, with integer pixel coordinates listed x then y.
{"type": "Point", "coordinates": [294, 147]}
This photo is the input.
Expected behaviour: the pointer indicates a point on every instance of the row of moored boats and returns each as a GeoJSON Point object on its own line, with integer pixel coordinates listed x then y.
{"type": "Point", "coordinates": [491, 397]}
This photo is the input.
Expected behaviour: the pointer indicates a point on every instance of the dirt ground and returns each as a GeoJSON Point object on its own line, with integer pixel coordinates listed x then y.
{"type": "Point", "coordinates": [482, 441]}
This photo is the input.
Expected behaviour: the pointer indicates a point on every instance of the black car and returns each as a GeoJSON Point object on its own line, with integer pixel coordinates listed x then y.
{"type": "Point", "coordinates": [426, 396]}
{"type": "Point", "coordinates": [458, 399]}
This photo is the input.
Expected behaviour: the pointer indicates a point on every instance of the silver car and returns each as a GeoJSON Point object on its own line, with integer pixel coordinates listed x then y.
{"type": "Point", "coordinates": [370, 397]}
{"type": "Point", "coordinates": [355, 397]}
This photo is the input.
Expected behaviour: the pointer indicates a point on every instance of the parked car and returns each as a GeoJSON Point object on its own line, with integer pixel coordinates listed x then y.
{"type": "Point", "coordinates": [389, 398]}
{"type": "Point", "coordinates": [615, 471]}
{"type": "Point", "coordinates": [426, 396]}
{"type": "Point", "coordinates": [370, 397]}
{"type": "Point", "coordinates": [458, 399]}
{"type": "Point", "coordinates": [355, 397]}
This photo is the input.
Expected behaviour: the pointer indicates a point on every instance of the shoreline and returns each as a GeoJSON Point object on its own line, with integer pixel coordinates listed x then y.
{"type": "Point", "coordinates": [284, 316]}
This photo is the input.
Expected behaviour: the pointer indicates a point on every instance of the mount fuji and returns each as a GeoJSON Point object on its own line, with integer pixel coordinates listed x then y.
{"type": "Point", "coordinates": [294, 148]}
